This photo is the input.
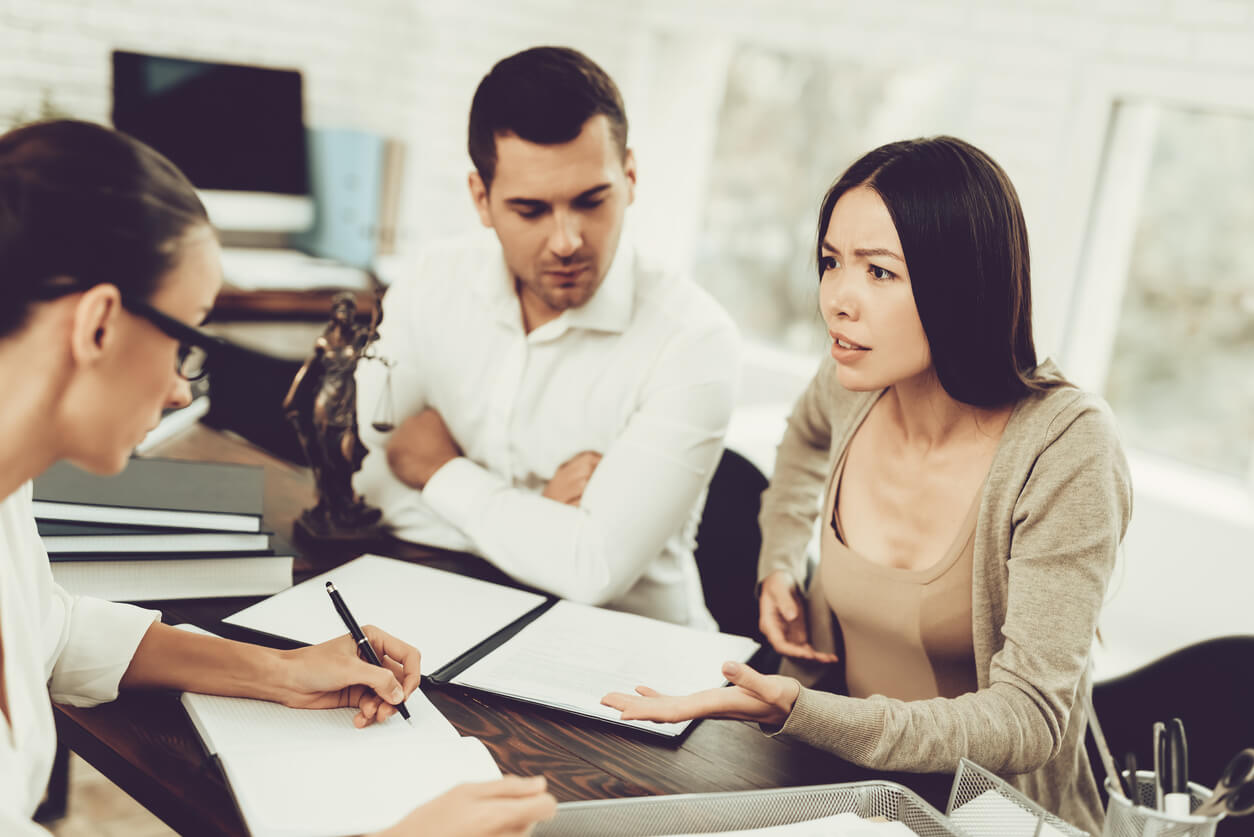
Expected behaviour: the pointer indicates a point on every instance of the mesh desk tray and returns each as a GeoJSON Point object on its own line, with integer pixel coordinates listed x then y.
{"type": "Point", "coordinates": [702, 813]}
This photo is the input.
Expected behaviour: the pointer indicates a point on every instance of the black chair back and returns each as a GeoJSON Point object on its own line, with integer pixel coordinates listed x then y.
{"type": "Point", "coordinates": [246, 392]}
{"type": "Point", "coordinates": [1209, 686]}
{"type": "Point", "coordinates": [728, 542]}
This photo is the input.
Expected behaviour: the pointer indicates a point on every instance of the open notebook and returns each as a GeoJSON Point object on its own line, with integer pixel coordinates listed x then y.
{"type": "Point", "coordinates": [515, 643]}
{"type": "Point", "coordinates": [311, 772]}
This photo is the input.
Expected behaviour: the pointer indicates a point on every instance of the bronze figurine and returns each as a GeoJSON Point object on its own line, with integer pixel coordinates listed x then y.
{"type": "Point", "coordinates": [322, 405]}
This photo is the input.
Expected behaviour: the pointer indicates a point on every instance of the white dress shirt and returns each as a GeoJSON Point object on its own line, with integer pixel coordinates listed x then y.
{"type": "Point", "coordinates": [644, 374]}
{"type": "Point", "coordinates": [73, 647]}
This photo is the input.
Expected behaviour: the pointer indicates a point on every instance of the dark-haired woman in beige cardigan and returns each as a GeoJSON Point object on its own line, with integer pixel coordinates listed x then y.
{"type": "Point", "coordinates": [973, 500]}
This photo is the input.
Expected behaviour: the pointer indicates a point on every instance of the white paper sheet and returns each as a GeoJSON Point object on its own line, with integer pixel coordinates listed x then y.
{"type": "Point", "coordinates": [372, 790]}
{"type": "Point", "coordinates": [574, 654]}
{"type": "Point", "coordinates": [992, 815]}
{"type": "Point", "coordinates": [238, 724]}
{"type": "Point", "coordinates": [443, 614]}
{"type": "Point", "coordinates": [311, 772]}
{"type": "Point", "coordinates": [838, 825]}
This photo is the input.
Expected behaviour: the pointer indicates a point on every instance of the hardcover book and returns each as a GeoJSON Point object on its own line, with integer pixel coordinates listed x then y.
{"type": "Point", "coordinates": [62, 537]}
{"type": "Point", "coordinates": [155, 492]}
{"type": "Point", "coordinates": [173, 577]}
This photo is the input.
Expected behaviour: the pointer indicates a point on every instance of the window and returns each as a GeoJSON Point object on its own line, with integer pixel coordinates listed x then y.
{"type": "Point", "coordinates": [788, 125]}
{"type": "Point", "coordinates": [1177, 256]}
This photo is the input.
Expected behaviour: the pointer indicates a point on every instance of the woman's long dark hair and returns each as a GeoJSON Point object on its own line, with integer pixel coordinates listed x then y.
{"type": "Point", "coordinates": [966, 246]}
{"type": "Point", "coordinates": [81, 205]}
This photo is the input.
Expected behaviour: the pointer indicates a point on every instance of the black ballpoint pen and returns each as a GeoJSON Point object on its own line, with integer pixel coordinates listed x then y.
{"type": "Point", "coordinates": [1133, 790]}
{"type": "Point", "coordinates": [363, 645]}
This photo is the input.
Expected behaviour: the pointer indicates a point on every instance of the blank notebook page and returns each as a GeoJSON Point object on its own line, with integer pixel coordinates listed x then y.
{"type": "Point", "coordinates": [311, 772]}
{"type": "Point", "coordinates": [441, 613]}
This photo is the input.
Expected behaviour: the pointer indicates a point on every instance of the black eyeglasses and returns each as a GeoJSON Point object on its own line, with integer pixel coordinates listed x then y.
{"type": "Point", "coordinates": [194, 344]}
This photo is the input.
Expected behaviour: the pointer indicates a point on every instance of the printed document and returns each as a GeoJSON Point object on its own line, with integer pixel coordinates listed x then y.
{"type": "Point", "coordinates": [574, 654]}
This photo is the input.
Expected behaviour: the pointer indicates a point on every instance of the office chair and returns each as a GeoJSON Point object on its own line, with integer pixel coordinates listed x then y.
{"type": "Point", "coordinates": [1209, 686]}
{"type": "Point", "coordinates": [728, 542]}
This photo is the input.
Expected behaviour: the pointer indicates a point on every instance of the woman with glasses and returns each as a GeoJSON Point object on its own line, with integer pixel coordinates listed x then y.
{"type": "Point", "coordinates": [973, 500]}
{"type": "Point", "coordinates": [107, 263]}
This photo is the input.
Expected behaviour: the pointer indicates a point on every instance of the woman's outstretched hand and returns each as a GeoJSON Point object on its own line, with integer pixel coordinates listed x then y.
{"type": "Point", "coordinates": [782, 619]}
{"type": "Point", "coordinates": [330, 675]}
{"type": "Point", "coordinates": [753, 696]}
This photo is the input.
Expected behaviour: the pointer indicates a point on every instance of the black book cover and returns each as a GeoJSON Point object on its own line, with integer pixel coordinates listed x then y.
{"type": "Point", "coordinates": [157, 492]}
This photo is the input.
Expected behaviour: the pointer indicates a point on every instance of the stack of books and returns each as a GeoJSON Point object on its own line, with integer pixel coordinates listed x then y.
{"type": "Point", "coordinates": [161, 529]}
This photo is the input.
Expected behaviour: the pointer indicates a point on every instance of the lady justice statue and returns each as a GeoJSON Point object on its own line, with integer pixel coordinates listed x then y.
{"type": "Point", "coordinates": [322, 405]}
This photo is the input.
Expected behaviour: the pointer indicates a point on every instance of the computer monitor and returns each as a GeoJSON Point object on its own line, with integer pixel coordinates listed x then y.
{"type": "Point", "coordinates": [236, 131]}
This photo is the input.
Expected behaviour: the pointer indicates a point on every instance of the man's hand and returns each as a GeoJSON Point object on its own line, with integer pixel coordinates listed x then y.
{"type": "Point", "coordinates": [572, 477]}
{"type": "Point", "coordinates": [782, 619]}
{"type": "Point", "coordinates": [421, 446]}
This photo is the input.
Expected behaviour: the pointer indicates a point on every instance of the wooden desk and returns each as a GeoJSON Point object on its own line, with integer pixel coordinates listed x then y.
{"type": "Point", "coordinates": [145, 744]}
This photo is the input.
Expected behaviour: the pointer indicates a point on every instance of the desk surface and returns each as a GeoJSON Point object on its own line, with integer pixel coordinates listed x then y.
{"type": "Point", "coordinates": [145, 744]}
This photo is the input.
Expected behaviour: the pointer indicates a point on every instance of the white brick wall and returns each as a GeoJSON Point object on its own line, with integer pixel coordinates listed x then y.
{"type": "Point", "coordinates": [408, 67]}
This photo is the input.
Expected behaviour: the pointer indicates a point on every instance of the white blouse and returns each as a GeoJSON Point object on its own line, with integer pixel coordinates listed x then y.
{"type": "Point", "coordinates": [73, 648]}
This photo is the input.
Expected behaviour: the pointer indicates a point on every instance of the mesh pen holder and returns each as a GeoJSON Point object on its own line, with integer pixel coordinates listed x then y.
{"type": "Point", "coordinates": [984, 805]}
{"type": "Point", "coordinates": [1123, 819]}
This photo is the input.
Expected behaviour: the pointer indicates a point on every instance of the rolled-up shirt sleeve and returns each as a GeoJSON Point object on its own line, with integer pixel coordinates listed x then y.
{"type": "Point", "coordinates": [87, 643]}
{"type": "Point", "coordinates": [94, 643]}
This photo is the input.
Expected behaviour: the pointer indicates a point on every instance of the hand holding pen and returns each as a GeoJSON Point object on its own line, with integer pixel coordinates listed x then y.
{"type": "Point", "coordinates": [366, 651]}
{"type": "Point", "coordinates": [332, 675]}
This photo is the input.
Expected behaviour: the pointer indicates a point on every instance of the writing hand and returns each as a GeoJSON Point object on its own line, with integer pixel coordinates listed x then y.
{"type": "Point", "coordinates": [419, 447]}
{"type": "Point", "coordinates": [782, 619]}
{"type": "Point", "coordinates": [753, 696]}
{"type": "Point", "coordinates": [504, 808]}
{"type": "Point", "coordinates": [330, 675]}
{"type": "Point", "coordinates": [571, 478]}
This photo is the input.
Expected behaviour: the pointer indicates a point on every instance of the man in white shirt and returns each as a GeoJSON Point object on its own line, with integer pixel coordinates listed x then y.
{"type": "Point", "coordinates": [562, 404]}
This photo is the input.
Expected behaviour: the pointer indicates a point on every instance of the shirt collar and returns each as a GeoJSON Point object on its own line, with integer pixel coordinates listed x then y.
{"type": "Point", "coordinates": [609, 309]}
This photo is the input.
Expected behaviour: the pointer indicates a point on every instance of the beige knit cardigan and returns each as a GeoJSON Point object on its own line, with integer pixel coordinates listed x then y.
{"type": "Point", "coordinates": [1053, 511]}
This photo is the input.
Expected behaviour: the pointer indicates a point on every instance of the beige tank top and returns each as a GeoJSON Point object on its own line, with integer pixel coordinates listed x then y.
{"type": "Point", "coordinates": [907, 632]}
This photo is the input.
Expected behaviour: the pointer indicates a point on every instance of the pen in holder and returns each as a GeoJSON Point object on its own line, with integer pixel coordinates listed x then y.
{"type": "Point", "coordinates": [1125, 819]}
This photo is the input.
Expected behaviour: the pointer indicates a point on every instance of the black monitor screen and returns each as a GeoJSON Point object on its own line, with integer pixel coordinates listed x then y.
{"type": "Point", "coordinates": [228, 127]}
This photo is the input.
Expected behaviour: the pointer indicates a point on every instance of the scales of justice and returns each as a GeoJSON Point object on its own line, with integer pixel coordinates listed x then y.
{"type": "Point", "coordinates": [321, 404]}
